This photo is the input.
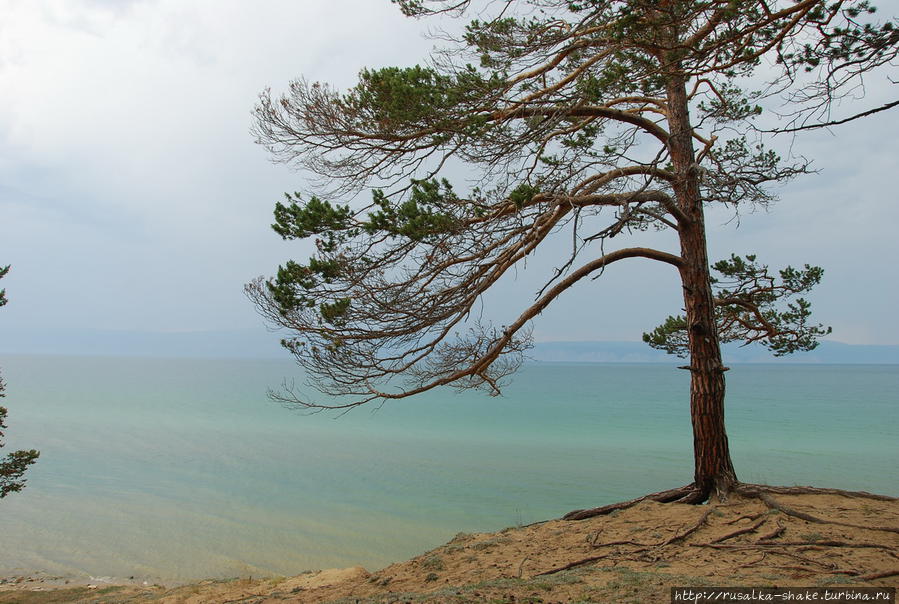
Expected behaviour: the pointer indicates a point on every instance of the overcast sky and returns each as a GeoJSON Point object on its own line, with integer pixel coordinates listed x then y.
{"type": "Point", "coordinates": [132, 196]}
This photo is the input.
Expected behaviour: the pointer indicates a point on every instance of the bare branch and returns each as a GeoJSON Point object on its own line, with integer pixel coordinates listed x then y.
{"type": "Point", "coordinates": [833, 122]}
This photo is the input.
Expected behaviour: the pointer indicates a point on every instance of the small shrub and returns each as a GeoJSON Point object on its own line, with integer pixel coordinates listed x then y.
{"type": "Point", "coordinates": [812, 536]}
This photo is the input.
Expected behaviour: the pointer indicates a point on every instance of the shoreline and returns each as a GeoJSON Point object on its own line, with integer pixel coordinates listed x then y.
{"type": "Point", "coordinates": [42, 581]}
{"type": "Point", "coordinates": [636, 554]}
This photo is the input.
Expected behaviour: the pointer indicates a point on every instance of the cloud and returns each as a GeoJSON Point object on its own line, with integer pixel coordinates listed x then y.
{"type": "Point", "coordinates": [133, 197]}
{"type": "Point", "coordinates": [125, 144]}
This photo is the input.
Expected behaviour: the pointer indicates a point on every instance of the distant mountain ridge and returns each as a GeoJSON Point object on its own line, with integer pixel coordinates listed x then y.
{"type": "Point", "coordinates": [260, 343]}
{"type": "Point", "coordinates": [828, 352]}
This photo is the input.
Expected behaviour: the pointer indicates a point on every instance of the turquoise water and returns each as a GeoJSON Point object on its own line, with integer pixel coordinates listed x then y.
{"type": "Point", "coordinates": [169, 470]}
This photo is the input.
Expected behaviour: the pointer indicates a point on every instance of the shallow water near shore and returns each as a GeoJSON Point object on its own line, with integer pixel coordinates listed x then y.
{"type": "Point", "coordinates": [169, 470]}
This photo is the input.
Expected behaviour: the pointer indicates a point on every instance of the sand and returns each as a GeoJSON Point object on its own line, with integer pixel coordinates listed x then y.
{"type": "Point", "coordinates": [633, 555]}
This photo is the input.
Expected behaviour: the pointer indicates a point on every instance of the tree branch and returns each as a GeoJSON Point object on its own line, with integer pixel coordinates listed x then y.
{"type": "Point", "coordinates": [833, 122]}
{"type": "Point", "coordinates": [587, 111]}
{"type": "Point", "coordinates": [478, 366]}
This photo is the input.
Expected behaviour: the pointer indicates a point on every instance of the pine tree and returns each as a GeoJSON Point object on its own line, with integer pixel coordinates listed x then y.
{"type": "Point", "coordinates": [596, 117]}
{"type": "Point", "coordinates": [13, 465]}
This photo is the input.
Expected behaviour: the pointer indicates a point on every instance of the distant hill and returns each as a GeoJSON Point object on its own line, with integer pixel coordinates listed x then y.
{"type": "Point", "coordinates": [828, 352]}
{"type": "Point", "coordinates": [260, 343]}
{"type": "Point", "coordinates": [243, 343]}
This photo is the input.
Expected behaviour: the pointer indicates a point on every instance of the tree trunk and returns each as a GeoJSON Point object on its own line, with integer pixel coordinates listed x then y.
{"type": "Point", "coordinates": [713, 469]}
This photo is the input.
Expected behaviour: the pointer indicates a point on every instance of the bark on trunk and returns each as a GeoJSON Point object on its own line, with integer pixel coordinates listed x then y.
{"type": "Point", "coordinates": [713, 469]}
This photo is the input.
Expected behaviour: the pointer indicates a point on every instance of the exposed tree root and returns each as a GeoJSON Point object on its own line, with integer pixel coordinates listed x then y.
{"type": "Point", "coordinates": [777, 532]}
{"type": "Point", "coordinates": [754, 562]}
{"type": "Point", "coordinates": [814, 544]}
{"type": "Point", "coordinates": [742, 531]}
{"type": "Point", "coordinates": [775, 505]}
{"type": "Point", "coordinates": [624, 542]}
{"type": "Point", "coordinates": [571, 565]}
{"type": "Point", "coordinates": [802, 559]}
{"type": "Point", "coordinates": [746, 517]}
{"type": "Point", "coordinates": [691, 494]}
{"type": "Point", "coordinates": [685, 494]}
{"type": "Point", "coordinates": [881, 575]}
{"type": "Point", "coordinates": [758, 528]}
{"type": "Point", "coordinates": [811, 571]}
{"type": "Point", "coordinates": [681, 536]}
{"type": "Point", "coordinates": [744, 488]}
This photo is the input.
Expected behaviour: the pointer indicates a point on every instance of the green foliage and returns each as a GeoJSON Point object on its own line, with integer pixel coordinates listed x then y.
{"type": "Point", "coordinates": [423, 216]}
{"type": "Point", "coordinates": [522, 194]}
{"type": "Point", "coordinates": [751, 305]}
{"type": "Point", "coordinates": [3, 271]}
{"type": "Point", "coordinates": [420, 217]}
{"type": "Point", "coordinates": [396, 95]}
{"type": "Point", "coordinates": [299, 220]}
{"type": "Point", "coordinates": [740, 170]}
{"type": "Point", "coordinates": [731, 104]}
{"type": "Point", "coordinates": [670, 336]}
{"type": "Point", "coordinates": [284, 288]}
{"type": "Point", "coordinates": [396, 100]}
{"type": "Point", "coordinates": [597, 118]}
{"type": "Point", "coordinates": [847, 42]}
{"type": "Point", "coordinates": [13, 465]}
{"type": "Point", "coordinates": [334, 312]}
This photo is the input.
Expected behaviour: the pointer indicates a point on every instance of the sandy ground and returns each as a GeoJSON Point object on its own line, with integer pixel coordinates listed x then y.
{"type": "Point", "coordinates": [633, 555]}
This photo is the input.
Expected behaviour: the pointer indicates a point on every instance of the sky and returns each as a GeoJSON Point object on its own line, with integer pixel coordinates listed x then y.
{"type": "Point", "coordinates": [133, 197]}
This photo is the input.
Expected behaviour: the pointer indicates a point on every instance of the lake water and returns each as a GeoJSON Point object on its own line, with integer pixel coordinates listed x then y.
{"type": "Point", "coordinates": [170, 470]}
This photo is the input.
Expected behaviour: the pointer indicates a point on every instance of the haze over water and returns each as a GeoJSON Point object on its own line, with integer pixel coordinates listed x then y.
{"type": "Point", "coordinates": [173, 469]}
